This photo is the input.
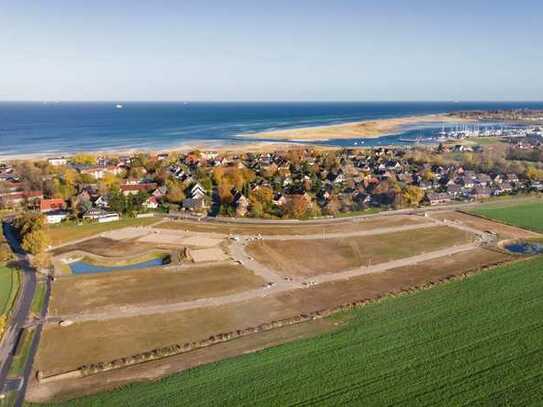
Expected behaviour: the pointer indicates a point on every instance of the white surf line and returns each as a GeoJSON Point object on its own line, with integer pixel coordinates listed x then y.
{"type": "Point", "coordinates": [281, 286]}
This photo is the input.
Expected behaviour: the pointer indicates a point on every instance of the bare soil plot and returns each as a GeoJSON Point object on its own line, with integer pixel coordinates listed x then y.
{"type": "Point", "coordinates": [306, 258]}
{"type": "Point", "coordinates": [300, 228]}
{"type": "Point", "coordinates": [63, 349]}
{"type": "Point", "coordinates": [172, 237]}
{"type": "Point", "coordinates": [503, 231]}
{"type": "Point", "coordinates": [208, 255]}
{"type": "Point", "coordinates": [370, 286]}
{"type": "Point", "coordinates": [105, 247]}
{"type": "Point", "coordinates": [103, 291]}
{"type": "Point", "coordinates": [153, 370]}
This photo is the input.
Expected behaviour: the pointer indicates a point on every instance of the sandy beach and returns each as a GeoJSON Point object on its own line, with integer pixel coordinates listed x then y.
{"type": "Point", "coordinates": [363, 129]}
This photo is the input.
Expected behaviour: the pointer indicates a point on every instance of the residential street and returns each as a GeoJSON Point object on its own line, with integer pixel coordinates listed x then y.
{"type": "Point", "coordinates": [19, 319]}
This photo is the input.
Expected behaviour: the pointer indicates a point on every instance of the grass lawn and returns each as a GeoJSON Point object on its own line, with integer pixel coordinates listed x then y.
{"type": "Point", "coordinates": [67, 232]}
{"type": "Point", "coordinates": [39, 298]}
{"type": "Point", "coordinates": [9, 284]}
{"type": "Point", "coordinates": [21, 353]}
{"type": "Point", "coordinates": [525, 215]}
{"type": "Point", "coordinates": [477, 341]}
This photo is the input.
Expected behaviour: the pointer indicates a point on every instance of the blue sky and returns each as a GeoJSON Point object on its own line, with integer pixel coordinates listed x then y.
{"type": "Point", "coordinates": [271, 50]}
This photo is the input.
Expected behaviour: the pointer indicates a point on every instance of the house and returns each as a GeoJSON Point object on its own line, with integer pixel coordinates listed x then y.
{"type": "Point", "coordinates": [195, 205]}
{"type": "Point", "coordinates": [454, 190]}
{"type": "Point", "coordinates": [241, 203]}
{"type": "Point", "coordinates": [134, 189]}
{"type": "Point", "coordinates": [102, 202]}
{"type": "Point", "coordinates": [57, 161]}
{"type": "Point", "coordinates": [56, 216]}
{"type": "Point", "coordinates": [100, 215]}
{"type": "Point", "coordinates": [438, 198]}
{"type": "Point", "coordinates": [51, 205]}
{"type": "Point", "coordinates": [480, 192]}
{"type": "Point", "coordinates": [197, 192]}
{"type": "Point", "coordinates": [160, 192]}
{"type": "Point", "coordinates": [94, 172]}
{"type": "Point", "coordinates": [11, 199]}
{"type": "Point", "coordinates": [151, 203]}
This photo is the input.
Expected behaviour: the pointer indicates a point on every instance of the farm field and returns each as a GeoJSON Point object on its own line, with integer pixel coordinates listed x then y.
{"type": "Point", "coordinates": [63, 233]}
{"type": "Point", "coordinates": [476, 341]}
{"type": "Point", "coordinates": [528, 216]}
{"type": "Point", "coordinates": [298, 228]}
{"type": "Point", "coordinates": [103, 291]}
{"type": "Point", "coordinates": [9, 284]}
{"type": "Point", "coordinates": [313, 257]}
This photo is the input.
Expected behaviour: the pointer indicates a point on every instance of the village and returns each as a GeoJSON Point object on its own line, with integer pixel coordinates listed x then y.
{"type": "Point", "coordinates": [295, 184]}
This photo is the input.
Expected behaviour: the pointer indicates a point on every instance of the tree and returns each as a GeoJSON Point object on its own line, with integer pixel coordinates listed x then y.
{"type": "Point", "coordinates": [35, 242]}
{"type": "Point", "coordinates": [298, 207]}
{"type": "Point", "coordinates": [5, 253]}
{"type": "Point", "coordinates": [262, 195]}
{"type": "Point", "coordinates": [109, 182]}
{"type": "Point", "coordinates": [534, 173]}
{"type": "Point", "coordinates": [175, 192]}
{"type": "Point", "coordinates": [412, 195]}
{"type": "Point", "coordinates": [41, 260]}
{"type": "Point", "coordinates": [84, 159]}
{"type": "Point", "coordinates": [333, 206]}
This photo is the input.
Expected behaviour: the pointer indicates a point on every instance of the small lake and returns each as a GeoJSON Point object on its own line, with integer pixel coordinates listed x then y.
{"type": "Point", "coordinates": [80, 267]}
{"type": "Point", "coordinates": [526, 248]}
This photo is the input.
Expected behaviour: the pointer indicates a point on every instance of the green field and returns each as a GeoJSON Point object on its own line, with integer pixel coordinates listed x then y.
{"type": "Point", "coordinates": [39, 298]}
{"type": "Point", "coordinates": [67, 232]}
{"type": "Point", "coordinates": [526, 215]}
{"type": "Point", "coordinates": [9, 284]}
{"type": "Point", "coordinates": [478, 341]}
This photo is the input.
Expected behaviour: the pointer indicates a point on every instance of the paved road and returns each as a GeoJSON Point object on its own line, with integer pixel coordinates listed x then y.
{"type": "Point", "coordinates": [19, 320]}
{"type": "Point", "coordinates": [21, 309]}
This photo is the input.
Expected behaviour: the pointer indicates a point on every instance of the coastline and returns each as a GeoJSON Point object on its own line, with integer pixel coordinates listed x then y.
{"type": "Point", "coordinates": [361, 129]}
{"type": "Point", "coordinates": [268, 141]}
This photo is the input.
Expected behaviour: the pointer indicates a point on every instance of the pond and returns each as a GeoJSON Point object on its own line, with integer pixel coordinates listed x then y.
{"type": "Point", "coordinates": [81, 267]}
{"type": "Point", "coordinates": [526, 248]}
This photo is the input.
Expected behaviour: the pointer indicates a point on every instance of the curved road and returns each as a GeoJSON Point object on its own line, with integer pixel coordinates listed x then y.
{"type": "Point", "coordinates": [19, 319]}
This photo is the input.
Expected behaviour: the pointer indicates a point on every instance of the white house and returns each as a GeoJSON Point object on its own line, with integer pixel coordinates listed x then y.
{"type": "Point", "coordinates": [57, 161]}
{"type": "Point", "coordinates": [56, 217]}
{"type": "Point", "coordinates": [151, 203]}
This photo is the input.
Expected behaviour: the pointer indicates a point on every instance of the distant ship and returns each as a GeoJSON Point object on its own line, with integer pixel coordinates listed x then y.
{"type": "Point", "coordinates": [119, 106]}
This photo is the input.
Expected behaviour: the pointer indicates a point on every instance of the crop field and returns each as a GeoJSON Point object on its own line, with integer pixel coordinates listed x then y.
{"type": "Point", "coordinates": [313, 257]}
{"type": "Point", "coordinates": [9, 284]}
{"type": "Point", "coordinates": [63, 233]}
{"type": "Point", "coordinates": [103, 291]}
{"type": "Point", "coordinates": [528, 216]}
{"type": "Point", "coordinates": [477, 341]}
{"type": "Point", "coordinates": [298, 228]}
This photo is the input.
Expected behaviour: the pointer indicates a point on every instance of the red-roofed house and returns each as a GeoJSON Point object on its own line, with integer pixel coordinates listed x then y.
{"type": "Point", "coordinates": [50, 205]}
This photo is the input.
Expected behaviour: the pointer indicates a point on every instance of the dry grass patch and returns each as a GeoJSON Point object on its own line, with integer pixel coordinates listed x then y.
{"type": "Point", "coordinates": [63, 233]}
{"type": "Point", "coordinates": [299, 228]}
{"type": "Point", "coordinates": [63, 349]}
{"type": "Point", "coordinates": [105, 247]}
{"type": "Point", "coordinates": [503, 231]}
{"type": "Point", "coordinates": [103, 291]}
{"type": "Point", "coordinates": [313, 257]}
